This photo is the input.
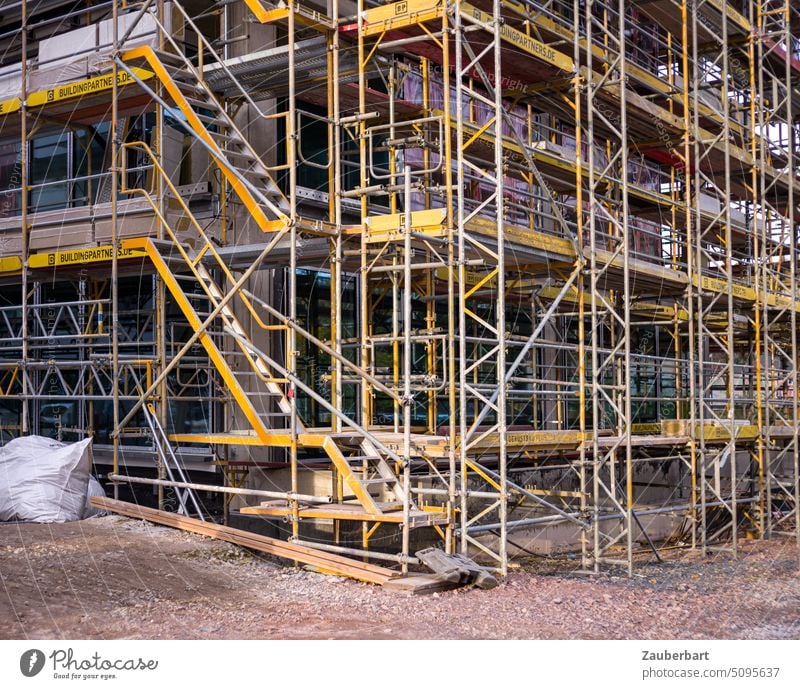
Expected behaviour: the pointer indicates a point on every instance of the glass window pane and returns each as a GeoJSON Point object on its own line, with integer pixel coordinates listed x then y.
{"type": "Point", "coordinates": [49, 163]}
{"type": "Point", "coordinates": [10, 179]}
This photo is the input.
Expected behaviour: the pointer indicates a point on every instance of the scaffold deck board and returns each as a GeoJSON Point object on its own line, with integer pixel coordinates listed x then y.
{"type": "Point", "coordinates": [391, 513]}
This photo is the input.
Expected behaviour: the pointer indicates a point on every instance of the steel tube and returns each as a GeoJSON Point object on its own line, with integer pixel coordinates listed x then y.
{"type": "Point", "coordinates": [300, 497]}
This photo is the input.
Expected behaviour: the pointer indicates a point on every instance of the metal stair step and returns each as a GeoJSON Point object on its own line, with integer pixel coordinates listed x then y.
{"type": "Point", "coordinates": [249, 172]}
{"type": "Point", "coordinates": [170, 58]}
{"type": "Point", "coordinates": [180, 73]}
{"type": "Point", "coordinates": [361, 458]}
{"type": "Point", "coordinates": [245, 154]}
{"type": "Point", "coordinates": [390, 506]}
{"type": "Point", "coordinates": [374, 481]}
{"type": "Point", "coordinates": [187, 87]}
{"type": "Point", "coordinates": [214, 121]}
{"type": "Point", "coordinates": [205, 104]}
{"type": "Point", "coordinates": [224, 137]}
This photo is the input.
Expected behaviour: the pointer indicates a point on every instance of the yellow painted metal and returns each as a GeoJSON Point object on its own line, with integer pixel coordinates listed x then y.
{"type": "Point", "coordinates": [471, 277]}
{"type": "Point", "coordinates": [347, 512]}
{"type": "Point", "coordinates": [523, 41]}
{"type": "Point", "coordinates": [73, 89]}
{"type": "Point", "coordinates": [9, 106]}
{"type": "Point", "coordinates": [713, 432]}
{"type": "Point", "coordinates": [538, 439]}
{"type": "Point", "coordinates": [570, 179]}
{"type": "Point", "coordinates": [721, 286]}
{"type": "Point", "coordinates": [264, 15]}
{"type": "Point", "coordinates": [523, 236]}
{"type": "Point", "coordinates": [85, 87]}
{"type": "Point", "coordinates": [646, 428]}
{"type": "Point", "coordinates": [262, 436]}
{"type": "Point", "coordinates": [10, 264]}
{"type": "Point", "coordinates": [726, 8]}
{"type": "Point", "coordinates": [8, 378]}
{"type": "Point", "coordinates": [641, 308]}
{"type": "Point", "coordinates": [489, 278]}
{"type": "Point", "coordinates": [344, 468]}
{"type": "Point", "coordinates": [743, 292]}
{"type": "Point", "coordinates": [246, 438]}
{"type": "Point", "coordinates": [217, 358]}
{"type": "Point", "coordinates": [76, 257]}
{"type": "Point", "coordinates": [302, 15]}
{"type": "Point", "coordinates": [387, 228]}
{"type": "Point", "coordinates": [396, 15]}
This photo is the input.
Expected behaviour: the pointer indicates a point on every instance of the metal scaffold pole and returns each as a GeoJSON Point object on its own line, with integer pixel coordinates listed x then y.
{"type": "Point", "coordinates": [688, 246]}
{"type": "Point", "coordinates": [777, 227]}
{"type": "Point", "coordinates": [586, 537]}
{"type": "Point", "coordinates": [482, 356]}
{"type": "Point", "coordinates": [713, 256]}
{"type": "Point", "coordinates": [25, 403]}
{"type": "Point", "coordinates": [612, 469]}
{"type": "Point", "coordinates": [112, 287]}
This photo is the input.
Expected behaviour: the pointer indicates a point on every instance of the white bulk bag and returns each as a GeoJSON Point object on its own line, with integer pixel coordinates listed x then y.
{"type": "Point", "coordinates": [44, 480]}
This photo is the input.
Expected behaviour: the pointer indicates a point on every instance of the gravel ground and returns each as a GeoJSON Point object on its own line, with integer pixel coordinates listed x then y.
{"type": "Point", "coordinates": [114, 577]}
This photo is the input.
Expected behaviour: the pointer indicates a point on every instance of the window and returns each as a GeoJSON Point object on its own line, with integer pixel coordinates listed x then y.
{"type": "Point", "coordinates": [49, 172]}
{"type": "Point", "coordinates": [10, 179]}
{"type": "Point", "coordinates": [65, 170]}
{"type": "Point", "coordinates": [91, 155]}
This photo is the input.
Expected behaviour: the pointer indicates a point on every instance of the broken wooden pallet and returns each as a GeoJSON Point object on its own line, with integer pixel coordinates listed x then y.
{"type": "Point", "coordinates": [326, 562]}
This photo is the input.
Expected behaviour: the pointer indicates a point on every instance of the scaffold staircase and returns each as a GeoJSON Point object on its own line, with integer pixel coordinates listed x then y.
{"type": "Point", "coordinates": [363, 464]}
{"type": "Point", "coordinates": [258, 384]}
{"type": "Point", "coordinates": [208, 120]}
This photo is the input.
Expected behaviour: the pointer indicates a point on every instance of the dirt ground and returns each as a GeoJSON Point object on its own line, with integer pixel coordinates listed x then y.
{"type": "Point", "coordinates": [113, 577]}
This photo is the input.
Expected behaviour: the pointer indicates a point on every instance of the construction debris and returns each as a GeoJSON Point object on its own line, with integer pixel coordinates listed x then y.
{"type": "Point", "coordinates": [456, 568]}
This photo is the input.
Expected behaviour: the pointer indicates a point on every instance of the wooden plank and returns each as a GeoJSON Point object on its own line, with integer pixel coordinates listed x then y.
{"type": "Point", "coordinates": [324, 561]}
{"type": "Point", "coordinates": [418, 584]}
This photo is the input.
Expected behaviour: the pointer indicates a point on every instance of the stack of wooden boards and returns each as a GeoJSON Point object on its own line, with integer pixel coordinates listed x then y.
{"type": "Point", "coordinates": [330, 563]}
{"type": "Point", "coordinates": [450, 571]}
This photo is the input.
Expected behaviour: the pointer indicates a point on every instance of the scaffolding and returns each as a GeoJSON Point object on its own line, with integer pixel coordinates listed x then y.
{"type": "Point", "coordinates": [560, 239]}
